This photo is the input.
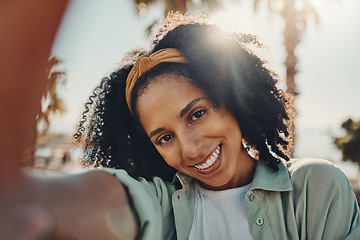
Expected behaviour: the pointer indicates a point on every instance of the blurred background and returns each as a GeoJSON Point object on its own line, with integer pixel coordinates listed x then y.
{"type": "Point", "coordinates": [312, 45]}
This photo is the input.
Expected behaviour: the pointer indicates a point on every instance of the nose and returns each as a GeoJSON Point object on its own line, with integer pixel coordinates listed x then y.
{"type": "Point", "coordinates": [191, 144]}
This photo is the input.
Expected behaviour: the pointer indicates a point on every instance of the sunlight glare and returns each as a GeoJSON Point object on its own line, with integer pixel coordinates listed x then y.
{"type": "Point", "coordinates": [241, 17]}
{"type": "Point", "coordinates": [326, 7]}
{"type": "Point", "coordinates": [228, 19]}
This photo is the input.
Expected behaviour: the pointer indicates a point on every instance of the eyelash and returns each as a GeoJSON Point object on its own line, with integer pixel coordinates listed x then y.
{"type": "Point", "coordinates": [160, 139]}
{"type": "Point", "coordinates": [202, 111]}
{"type": "Point", "coordinates": [192, 115]}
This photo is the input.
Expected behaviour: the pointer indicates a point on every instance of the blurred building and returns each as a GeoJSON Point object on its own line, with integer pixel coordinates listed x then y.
{"type": "Point", "coordinates": [53, 151]}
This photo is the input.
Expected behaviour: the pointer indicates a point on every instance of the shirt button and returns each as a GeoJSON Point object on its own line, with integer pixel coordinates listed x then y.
{"type": "Point", "coordinates": [259, 221]}
{"type": "Point", "coordinates": [252, 197]}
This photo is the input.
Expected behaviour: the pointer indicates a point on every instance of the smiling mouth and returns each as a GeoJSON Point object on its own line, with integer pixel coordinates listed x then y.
{"type": "Point", "coordinates": [211, 159]}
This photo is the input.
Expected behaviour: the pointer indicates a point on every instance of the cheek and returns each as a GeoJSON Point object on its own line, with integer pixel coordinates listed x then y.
{"type": "Point", "coordinates": [228, 126]}
{"type": "Point", "coordinates": [229, 118]}
{"type": "Point", "coordinates": [226, 123]}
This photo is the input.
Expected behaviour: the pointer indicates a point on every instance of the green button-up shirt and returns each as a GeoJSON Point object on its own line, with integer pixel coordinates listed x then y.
{"type": "Point", "coordinates": [305, 199]}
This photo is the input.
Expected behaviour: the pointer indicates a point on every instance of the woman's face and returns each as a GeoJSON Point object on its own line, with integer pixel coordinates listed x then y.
{"type": "Point", "coordinates": [192, 136]}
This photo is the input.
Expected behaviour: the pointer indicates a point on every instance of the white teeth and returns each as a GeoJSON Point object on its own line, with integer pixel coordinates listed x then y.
{"type": "Point", "coordinates": [211, 160]}
{"type": "Point", "coordinates": [208, 163]}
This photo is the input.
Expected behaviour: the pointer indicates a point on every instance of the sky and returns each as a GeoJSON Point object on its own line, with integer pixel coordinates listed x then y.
{"type": "Point", "coordinates": [95, 35]}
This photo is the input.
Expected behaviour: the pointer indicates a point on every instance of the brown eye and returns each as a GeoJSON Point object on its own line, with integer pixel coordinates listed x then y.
{"type": "Point", "coordinates": [164, 139]}
{"type": "Point", "coordinates": [197, 114]}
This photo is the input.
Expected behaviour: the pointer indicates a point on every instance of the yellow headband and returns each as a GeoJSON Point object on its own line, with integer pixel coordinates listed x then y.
{"type": "Point", "coordinates": [145, 63]}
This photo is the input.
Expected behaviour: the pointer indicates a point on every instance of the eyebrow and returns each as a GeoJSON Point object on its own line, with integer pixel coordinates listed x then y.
{"type": "Point", "coordinates": [189, 106]}
{"type": "Point", "coordinates": [156, 131]}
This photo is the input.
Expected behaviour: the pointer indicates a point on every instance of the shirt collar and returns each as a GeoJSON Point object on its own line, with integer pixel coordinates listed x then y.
{"type": "Point", "coordinates": [265, 178]}
{"type": "Point", "coordinates": [182, 178]}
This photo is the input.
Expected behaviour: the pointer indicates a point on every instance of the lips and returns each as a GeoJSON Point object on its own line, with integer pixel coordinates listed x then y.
{"type": "Point", "coordinates": [210, 161]}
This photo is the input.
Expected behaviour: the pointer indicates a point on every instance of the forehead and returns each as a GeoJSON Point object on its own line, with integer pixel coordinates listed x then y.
{"type": "Point", "coordinates": [165, 97]}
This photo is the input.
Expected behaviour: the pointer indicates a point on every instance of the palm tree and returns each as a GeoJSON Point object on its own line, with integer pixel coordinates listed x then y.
{"type": "Point", "coordinates": [51, 103]}
{"type": "Point", "coordinates": [295, 15]}
{"type": "Point", "coordinates": [178, 5]}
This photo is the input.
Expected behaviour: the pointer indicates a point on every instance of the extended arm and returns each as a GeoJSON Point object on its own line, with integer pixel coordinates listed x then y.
{"type": "Point", "coordinates": [89, 205]}
{"type": "Point", "coordinates": [27, 30]}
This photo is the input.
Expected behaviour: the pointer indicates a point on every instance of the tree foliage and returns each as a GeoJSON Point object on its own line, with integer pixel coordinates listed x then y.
{"type": "Point", "coordinates": [349, 144]}
{"type": "Point", "coordinates": [51, 103]}
{"type": "Point", "coordinates": [179, 5]}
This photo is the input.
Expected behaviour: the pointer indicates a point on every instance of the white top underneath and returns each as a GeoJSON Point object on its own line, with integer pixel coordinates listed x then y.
{"type": "Point", "coordinates": [220, 214]}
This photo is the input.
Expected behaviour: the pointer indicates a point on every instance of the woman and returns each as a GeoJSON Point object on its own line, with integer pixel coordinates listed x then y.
{"type": "Point", "coordinates": [199, 122]}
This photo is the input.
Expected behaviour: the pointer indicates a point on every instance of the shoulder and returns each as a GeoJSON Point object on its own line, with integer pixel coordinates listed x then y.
{"type": "Point", "coordinates": [305, 163]}
{"type": "Point", "coordinates": [318, 178]}
{"type": "Point", "coordinates": [323, 198]}
{"type": "Point", "coordinates": [311, 168]}
{"type": "Point", "coordinates": [315, 179]}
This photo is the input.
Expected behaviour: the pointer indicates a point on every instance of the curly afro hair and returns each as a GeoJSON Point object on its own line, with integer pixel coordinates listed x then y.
{"type": "Point", "coordinates": [220, 64]}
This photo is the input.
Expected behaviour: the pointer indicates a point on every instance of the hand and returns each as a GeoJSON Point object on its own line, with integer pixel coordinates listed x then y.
{"type": "Point", "coordinates": [88, 205]}
{"type": "Point", "coordinates": [25, 222]}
